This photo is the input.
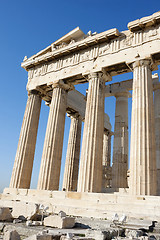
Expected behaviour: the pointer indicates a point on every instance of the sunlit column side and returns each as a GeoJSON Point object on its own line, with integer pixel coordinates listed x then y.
{"type": "Point", "coordinates": [90, 172]}
{"type": "Point", "coordinates": [72, 158]}
{"type": "Point", "coordinates": [106, 161]}
{"type": "Point", "coordinates": [157, 128]}
{"type": "Point", "coordinates": [22, 169]}
{"type": "Point", "coordinates": [142, 153]}
{"type": "Point", "coordinates": [53, 143]}
{"type": "Point", "coordinates": [120, 147]}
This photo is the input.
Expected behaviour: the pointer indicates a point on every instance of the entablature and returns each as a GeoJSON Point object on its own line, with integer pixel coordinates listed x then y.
{"type": "Point", "coordinates": [111, 52]}
{"type": "Point", "coordinates": [126, 86]}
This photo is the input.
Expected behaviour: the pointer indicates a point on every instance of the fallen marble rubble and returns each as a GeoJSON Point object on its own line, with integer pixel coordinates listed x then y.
{"type": "Point", "coordinates": [63, 227]}
{"type": "Point", "coordinates": [27, 210]}
{"type": "Point", "coordinates": [33, 223]}
{"type": "Point", "coordinates": [11, 235]}
{"type": "Point", "coordinates": [5, 214]}
{"type": "Point", "coordinates": [133, 233]}
{"type": "Point", "coordinates": [59, 222]}
{"type": "Point", "coordinates": [43, 233]}
{"type": "Point", "coordinates": [40, 237]}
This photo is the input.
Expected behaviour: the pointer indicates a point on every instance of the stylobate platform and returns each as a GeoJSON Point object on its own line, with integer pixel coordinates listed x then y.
{"type": "Point", "coordinates": [97, 205]}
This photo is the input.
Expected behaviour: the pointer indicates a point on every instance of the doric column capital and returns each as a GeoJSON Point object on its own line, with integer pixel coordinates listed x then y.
{"type": "Point", "coordinates": [123, 94]}
{"type": "Point", "coordinates": [75, 115]}
{"type": "Point", "coordinates": [94, 75]}
{"type": "Point", "coordinates": [156, 83]}
{"type": "Point", "coordinates": [34, 92]}
{"type": "Point", "coordinates": [61, 84]}
{"type": "Point", "coordinates": [108, 132]}
{"type": "Point", "coordinates": [140, 63]}
{"type": "Point", "coordinates": [103, 75]}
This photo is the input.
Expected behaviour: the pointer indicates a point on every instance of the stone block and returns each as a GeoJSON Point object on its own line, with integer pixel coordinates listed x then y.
{"type": "Point", "coordinates": [12, 191]}
{"type": "Point", "coordinates": [40, 237]}
{"type": "Point", "coordinates": [41, 193]}
{"type": "Point", "coordinates": [97, 234]}
{"type": "Point", "coordinates": [28, 210]}
{"type": "Point", "coordinates": [5, 214]}
{"type": "Point", "coordinates": [58, 222]}
{"type": "Point", "coordinates": [23, 192]}
{"type": "Point", "coordinates": [11, 235]}
{"type": "Point", "coordinates": [62, 214]}
{"type": "Point", "coordinates": [55, 233]}
{"type": "Point", "coordinates": [133, 233]}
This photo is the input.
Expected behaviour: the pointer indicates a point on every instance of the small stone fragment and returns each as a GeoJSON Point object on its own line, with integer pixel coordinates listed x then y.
{"type": "Point", "coordinates": [40, 237]}
{"type": "Point", "coordinates": [62, 214]}
{"type": "Point", "coordinates": [11, 235]}
{"type": "Point", "coordinates": [133, 233]}
{"type": "Point", "coordinates": [29, 223]}
{"type": "Point", "coordinates": [36, 223]}
{"type": "Point", "coordinates": [5, 214]}
{"type": "Point", "coordinates": [17, 220]}
{"type": "Point", "coordinates": [97, 234]}
{"type": "Point", "coordinates": [70, 235]}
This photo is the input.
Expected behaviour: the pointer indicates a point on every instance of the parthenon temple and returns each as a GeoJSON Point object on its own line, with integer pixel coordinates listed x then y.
{"type": "Point", "coordinates": [93, 184]}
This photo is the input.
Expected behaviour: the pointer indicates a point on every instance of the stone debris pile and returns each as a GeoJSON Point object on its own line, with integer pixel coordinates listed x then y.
{"type": "Point", "coordinates": [34, 222]}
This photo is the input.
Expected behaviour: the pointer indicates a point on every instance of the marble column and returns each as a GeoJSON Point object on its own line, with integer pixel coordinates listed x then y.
{"type": "Point", "coordinates": [72, 158]}
{"type": "Point", "coordinates": [106, 161]}
{"type": "Point", "coordinates": [142, 152]}
{"type": "Point", "coordinates": [157, 131]}
{"type": "Point", "coordinates": [120, 147]}
{"type": "Point", "coordinates": [53, 143]}
{"type": "Point", "coordinates": [106, 148]}
{"type": "Point", "coordinates": [22, 169]}
{"type": "Point", "coordinates": [90, 172]}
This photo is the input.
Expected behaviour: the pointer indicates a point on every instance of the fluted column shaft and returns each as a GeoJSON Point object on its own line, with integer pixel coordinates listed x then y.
{"type": "Point", "coordinates": [22, 169]}
{"type": "Point", "coordinates": [120, 147]}
{"type": "Point", "coordinates": [53, 143]}
{"type": "Point", "coordinates": [157, 134]}
{"type": "Point", "coordinates": [142, 153]}
{"type": "Point", "coordinates": [106, 161]}
{"type": "Point", "coordinates": [106, 148]}
{"type": "Point", "coordinates": [72, 158]}
{"type": "Point", "coordinates": [90, 172]}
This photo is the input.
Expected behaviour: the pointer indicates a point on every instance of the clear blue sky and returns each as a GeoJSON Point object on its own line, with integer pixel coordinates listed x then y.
{"type": "Point", "coordinates": [26, 27]}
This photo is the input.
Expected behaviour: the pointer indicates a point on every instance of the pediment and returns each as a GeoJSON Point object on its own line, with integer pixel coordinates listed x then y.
{"type": "Point", "coordinates": [73, 36]}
